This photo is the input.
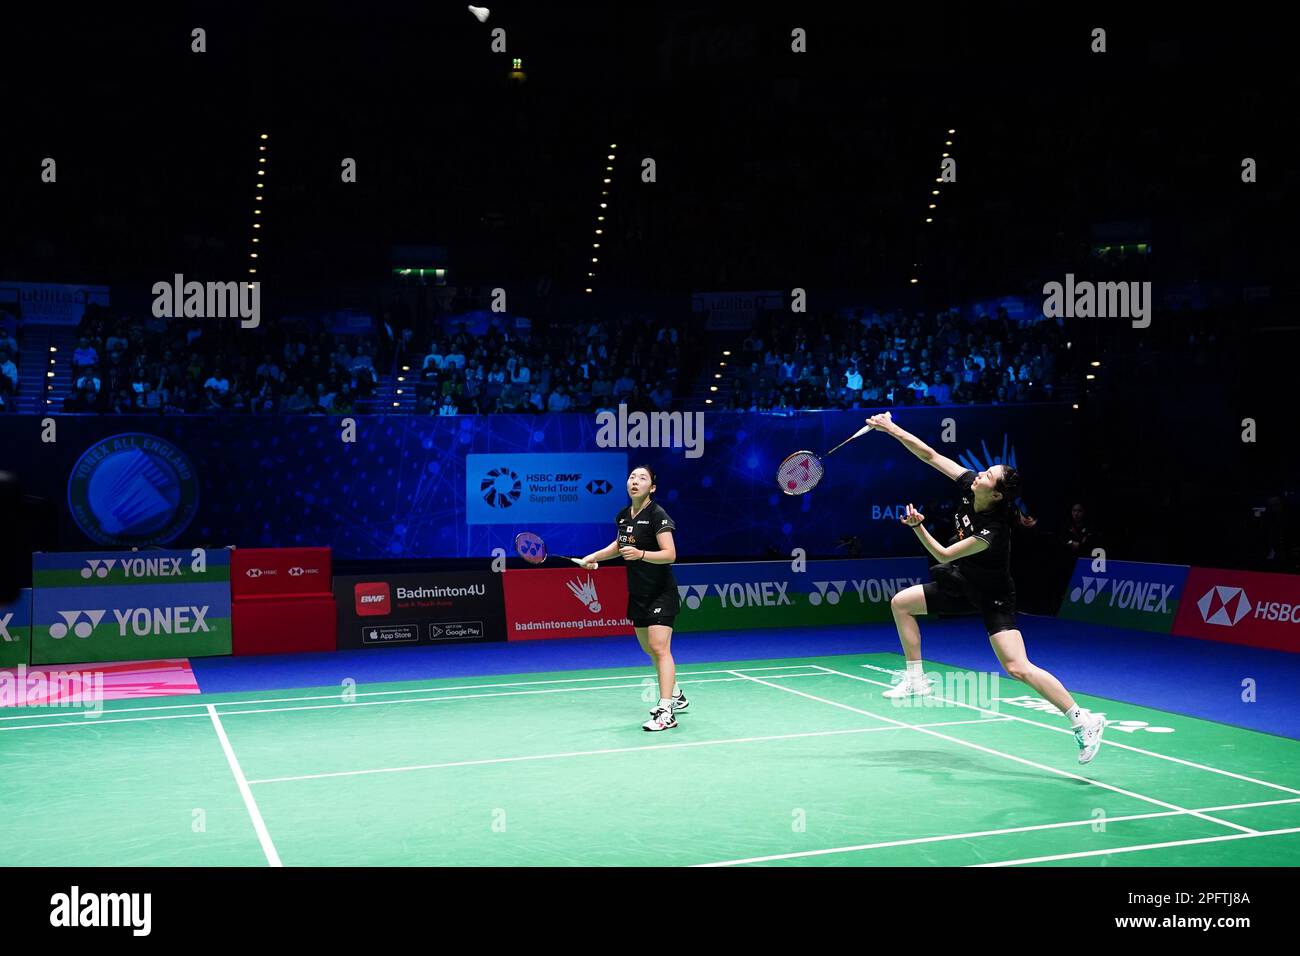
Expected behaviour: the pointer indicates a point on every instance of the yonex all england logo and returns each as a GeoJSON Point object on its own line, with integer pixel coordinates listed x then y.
{"type": "Point", "coordinates": [829, 591]}
{"type": "Point", "coordinates": [501, 488]}
{"type": "Point", "coordinates": [585, 591]}
{"type": "Point", "coordinates": [1223, 605]}
{"type": "Point", "coordinates": [98, 568]}
{"type": "Point", "coordinates": [599, 486]}
{"type": "Point", "coordinates": [133, 489]}
{"type": "Point", "coordinates": [692, 595]}
{"type": "Point", "coordinates": [72, 621]}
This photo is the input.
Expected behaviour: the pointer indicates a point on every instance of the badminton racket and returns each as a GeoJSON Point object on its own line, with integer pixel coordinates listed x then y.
{"type": "Point", "coordinates": [799, 473]}
{"type": "Point", "coordinates": [532, 549]}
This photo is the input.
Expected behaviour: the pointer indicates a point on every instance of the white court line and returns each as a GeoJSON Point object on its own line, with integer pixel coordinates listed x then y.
{"type": "Point", "coordinates": [421, 690]}
{"type": "Point", "coordinates": [1145, 846]}
{"type": "Point", "coordinates": [1063, 730]}
{"type": "Point", "coordinates": [1091, 821]}
{"type": "Point", "coordinates": [609, 750]}
{"type": "Point", "coordinates": [997, 753]}
{"type": "Point", "coordinates": [96, 721]}
{"type": "Point", "coordinates": [264, 837]}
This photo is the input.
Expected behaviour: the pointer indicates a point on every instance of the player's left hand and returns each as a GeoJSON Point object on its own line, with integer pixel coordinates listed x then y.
{"type": "Point", "coordinates": [630, 554]}
{"type": "Point", "coordinates": [912, 518]}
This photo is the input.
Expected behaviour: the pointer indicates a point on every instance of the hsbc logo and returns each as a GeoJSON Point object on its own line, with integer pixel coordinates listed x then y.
{"type": "Point", "coordinates": [372, 598]}
{"type": "Point", "coordinates": [258, 572]}
{"type": "Point", "coordinates": [599, 486]}
{"type": "Point", "coordinates": [299, 572]}
{"type": "Point", "coordinates": [4, 627]}
{"type": "Point", "coordinates": [98, 568]}
{"type": "Point", "coordinates": [828, 591]}
{"type": "Point", "coordinates": [1223, 605]}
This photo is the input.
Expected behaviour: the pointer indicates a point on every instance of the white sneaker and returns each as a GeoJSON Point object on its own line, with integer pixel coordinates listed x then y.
{"type": "Point", "coordinates": [909, 688]}
{"type": "Point", "coordinates": [661, 718]}
{"type": "Point", "coordinates": [1088, 735]}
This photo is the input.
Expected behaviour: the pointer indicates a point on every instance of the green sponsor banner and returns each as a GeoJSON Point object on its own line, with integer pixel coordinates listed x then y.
{"type": "Point", "coordinates": [1125, 594]}
{"type": "Point", "coordinates": [759, 594]}
{"type": "Point", "coordinates": [120, 606]}
{"type": "Point", "coordinates": [16, 631]}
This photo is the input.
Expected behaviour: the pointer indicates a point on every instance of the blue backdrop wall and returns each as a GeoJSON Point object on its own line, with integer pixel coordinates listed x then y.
{"type": "Point", "coordinates": [460, 486]}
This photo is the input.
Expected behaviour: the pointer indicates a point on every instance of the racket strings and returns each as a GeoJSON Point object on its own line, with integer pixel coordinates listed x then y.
{"type": "Point", "coordinates": [799, 473]}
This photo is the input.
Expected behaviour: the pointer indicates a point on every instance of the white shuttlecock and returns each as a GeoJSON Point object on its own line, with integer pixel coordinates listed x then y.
{"type": "Point", "coordinates": [480, 12]}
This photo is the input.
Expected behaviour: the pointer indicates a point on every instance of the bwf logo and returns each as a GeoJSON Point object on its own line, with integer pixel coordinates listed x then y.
{"type": "Point", "coordinates": [585, 591]}
{"type": "Point", "coordinates": [372, 598]}
{"type": "Point", "coordinates": [1223, 605]}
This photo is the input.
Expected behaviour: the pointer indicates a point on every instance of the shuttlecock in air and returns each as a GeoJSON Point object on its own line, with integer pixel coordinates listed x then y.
{"type": "Point", "coordinates": [480, 12]}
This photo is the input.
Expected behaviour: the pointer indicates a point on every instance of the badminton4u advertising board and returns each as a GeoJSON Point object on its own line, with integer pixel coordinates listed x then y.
{"type": "Point", "coordinates": [401, 610]}
{"type": "Point", "coordinates": [1241, 607]}
{"type": "Point", "coordinates": [566, 602]}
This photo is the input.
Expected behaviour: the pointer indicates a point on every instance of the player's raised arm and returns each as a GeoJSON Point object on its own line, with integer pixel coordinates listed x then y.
{"type": "Point", "coordinates": [917, 447]}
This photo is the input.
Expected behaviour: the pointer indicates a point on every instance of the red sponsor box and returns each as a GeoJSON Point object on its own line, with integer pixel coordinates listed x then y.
{"type": "Point", "coordinates": [263, 572]}
{"type": "Point", "coordinates": [554, 602]}
{"type": "Point", "coordinates": [1241, 607]}
{"type": "Point", "coordinates": [372, 598]}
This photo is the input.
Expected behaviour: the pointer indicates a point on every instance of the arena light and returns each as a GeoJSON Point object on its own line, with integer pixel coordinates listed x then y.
{"type": "Point", "coordinates": [945, 155]}
{"type": "Point", "coordinates": [600, 218]}
{"type": "Point", "coordinates": [726, 351]}
{"type": "Point", "coordinates": [606, 180]}
{"type": "Point", "coordinates": [257, 225]}
{"type": "Point", "coordinates": [397, 404]}
{"type": "Point", "coordinates": [915, 281]}
{"type": "Point", "coordinates": [261, 172]}
{"type": "Point", "coordinates": [53, 348]}
{"type": "Point", "coordinates": [1096, 365]}
{"type": "Point", "coordinates": [600, 231]}
{"type": "Point", "coordinates": [929, 220]}
{"type": "Point", "coordinates": [399, 391]}
{"type": "Point", "coordinates": [933, 206]}
{"type": "Point", "coordinates": [708, 401]}
{"type": "Point", "coordinates": [49, 375]}
{"type": "Point", "coordinates": [610, 156]}
{"type": "Point", "coordinates": [255, 239]}
{"type": "Point", "coordinates": [609, 169]}
{"type": "Point", "coordinates": [713, 388]}
{"type": "Point", "coordinates": [948, 143]}
{"type": "Point", "coordinates": [586, 290]}
{"type": "Point", "coordinates": [263, 136]}
{"type": "Point", "coordinates": [934, 192]}
{"type": "Point", "coordinates": [401, 378]}
{"type": "Point", "coordinates": [1068, 344]}
{"type": "Point", "coordinates": [723, 364]}
{"type": "Point", "coordinates": [1074, 406]}
{"type": "Point", "coordinates": [602, 205]}
{"type": "Point", "coordinates": [951, 131]}
{"type": "Point", "coordinates": [717, 375]}
{"type": "Point", "coordinates": [595, 245]}
{"type": "Point", "coordinates": [594, 259]}
{"type": "Point", "coordinates": [613, 145]}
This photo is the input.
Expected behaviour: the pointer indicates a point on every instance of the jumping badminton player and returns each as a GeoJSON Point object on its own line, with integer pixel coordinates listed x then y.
{"type": "Point", "coordinates": [974, 577]}
{"type": "Point", "coordinates": [645, 542]}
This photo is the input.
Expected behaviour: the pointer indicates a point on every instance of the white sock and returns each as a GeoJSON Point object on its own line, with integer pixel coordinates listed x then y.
{"type": "Point", "coordinates": [677, 691]}
{"type": "Point", "coordinates": [665, 703]}
{"type": "Point", "coordinates": [1075, 716]}
{"type": "Point", "coordinates": [914, 672]}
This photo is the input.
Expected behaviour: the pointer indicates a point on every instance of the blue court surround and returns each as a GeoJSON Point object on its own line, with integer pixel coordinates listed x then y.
{"type": "Point", "coordinates": [1176, 674]}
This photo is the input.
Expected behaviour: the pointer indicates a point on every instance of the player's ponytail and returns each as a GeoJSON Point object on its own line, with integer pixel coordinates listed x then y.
{"type": "Point", "coordinates": [1009, 486]}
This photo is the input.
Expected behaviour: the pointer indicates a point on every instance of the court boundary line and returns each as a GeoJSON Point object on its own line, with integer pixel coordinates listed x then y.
{"type": "Point", "coordinates": [1140, 847]}
{"type": "Point", "coordinates": [1022, 760]}
{"type": "Point", "coordinates": [1063, 730]}
{"type": "Point", "coordinates": [96, 721]}
{"type": "Point", "coordinates": [414, 690]}
{"type": "Point", "coordinates": [250, 804]}
{"type": "Point", "coordinates": [911, 841]}
{"type": "Point", "coordinates": [594, 753]}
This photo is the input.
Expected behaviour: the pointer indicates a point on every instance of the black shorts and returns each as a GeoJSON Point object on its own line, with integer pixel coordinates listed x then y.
{"type": "Point", "coordinates": [658, 609]}
{"type": "Point", "coordinates": [950, 595]}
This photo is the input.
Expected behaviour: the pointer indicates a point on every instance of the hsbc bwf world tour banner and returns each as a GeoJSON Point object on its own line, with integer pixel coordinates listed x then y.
{"type": "Point", "coordinates": [134, 605]}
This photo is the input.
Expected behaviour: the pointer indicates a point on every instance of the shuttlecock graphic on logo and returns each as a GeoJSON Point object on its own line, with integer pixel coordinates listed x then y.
{"type": "Point", "coordinates": [480, 12]}
{"type": "Point", "coordinates": [585, 591]}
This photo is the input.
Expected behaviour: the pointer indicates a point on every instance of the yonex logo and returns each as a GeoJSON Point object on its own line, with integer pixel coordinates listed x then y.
{"type": "Point", "coordinates": [530, 548]}
{"type": "Point", "coordinates": [599, 486]}
{"type": "Point", "coordinates": [692, 594]}
{"type": "Point", "coordinates": [585, 591]}
{"type": "Point", "coordinates": [1089, 590]}
{"type": "Point", "coordinates": [4, 627]}
{"type": "Point", "coordinates": [78, 627]}
{"type": "Point", "coordinates": [501, 488]}
{"type": "Point", "coordinates": [829, 591]}
{"type": "Point", "coordinates": [98, 567]}
{"type": "Point", "coordinates": [1223, 605]}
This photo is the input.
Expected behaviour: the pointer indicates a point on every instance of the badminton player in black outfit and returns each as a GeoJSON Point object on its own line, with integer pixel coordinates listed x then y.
{"type": "Point", "coordinates": [645, 542]}
{"type": "Point", "coordinates": [974, 577]}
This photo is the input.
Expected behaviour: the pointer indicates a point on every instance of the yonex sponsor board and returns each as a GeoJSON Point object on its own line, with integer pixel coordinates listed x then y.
{"type": "Point", "coordinates": [1241, 607]}
{"type": "Point", "coordinates": [1126, 594]}
{"type": "Point", "coordinates": [114, 606]}
{"type": "Point", "coordinates": [16, 630]}
{"type": "Point", "coordinates": [537, 489]}
{"type": "Point", "coordinates": [439, 607]}
{"type": "Point", "coordinates": [771, 594]}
